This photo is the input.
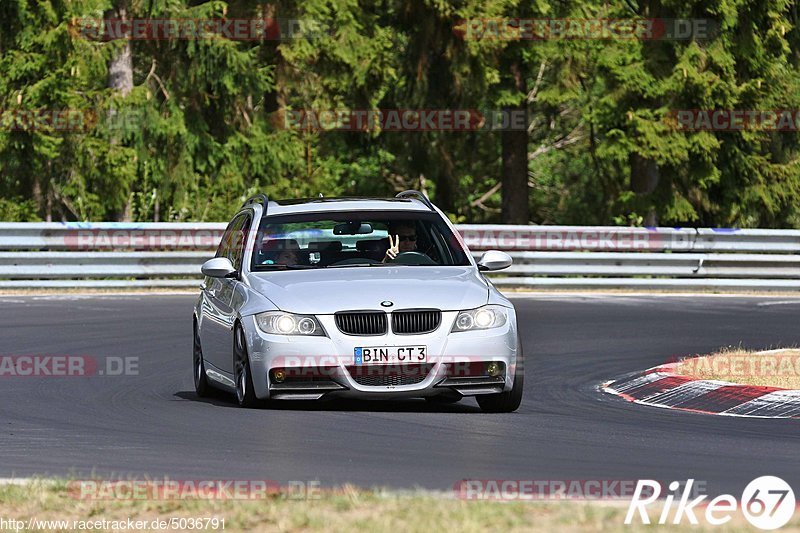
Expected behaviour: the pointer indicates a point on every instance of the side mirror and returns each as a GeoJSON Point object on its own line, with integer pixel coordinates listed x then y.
{"type": "Point", "coordinates": [494, 260]}
{"type": "Point", "coordinates": [219, 267]}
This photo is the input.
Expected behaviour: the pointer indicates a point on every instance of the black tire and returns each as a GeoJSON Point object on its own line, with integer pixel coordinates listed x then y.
{"type": "Point", "coordinates": [509, 401]}
{"type": "Point", "coordinates": [201, 385]}
{"type": "Point", "coordinates": [245, 394]}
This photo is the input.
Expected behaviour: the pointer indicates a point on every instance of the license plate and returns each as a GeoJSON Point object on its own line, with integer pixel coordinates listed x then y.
{"type": "Point", "coordinates": [387, 355]}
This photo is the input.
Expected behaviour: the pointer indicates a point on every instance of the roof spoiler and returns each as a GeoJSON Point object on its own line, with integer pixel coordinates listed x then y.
{"type": "Point", "coordinates": [257, 199]}
{"type": "Point", "coordinates": [411, 193]}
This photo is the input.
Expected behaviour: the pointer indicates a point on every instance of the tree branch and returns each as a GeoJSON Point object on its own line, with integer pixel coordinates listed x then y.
{"type": "Point", "coordinates": [485, 196]}
{"type": "Point", "coordinates": [535, 90]}
{"type": "Point", "coordinates": [574, 136]}
{"type": "Point", "coordinates": [152, 74]}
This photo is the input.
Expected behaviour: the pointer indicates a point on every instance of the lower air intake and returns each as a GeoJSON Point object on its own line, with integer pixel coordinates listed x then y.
{"type": "Point", "coordinates": [390, 375]}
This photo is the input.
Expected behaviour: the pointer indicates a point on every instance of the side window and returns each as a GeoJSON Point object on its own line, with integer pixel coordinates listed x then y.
{"type": "Point", "coordinates": [439, 251]}
{"type": "Point", "coordinates": [223, 250]}
{"type": "Point", "coordinates": [241, 228]}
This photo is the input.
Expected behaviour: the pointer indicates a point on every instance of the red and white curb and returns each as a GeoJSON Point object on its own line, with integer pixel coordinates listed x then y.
{"type": "Point", "coordinates": [661, 387]}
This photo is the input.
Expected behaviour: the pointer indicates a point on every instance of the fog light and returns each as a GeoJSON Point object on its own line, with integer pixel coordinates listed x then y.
{"type": "Point", "coordinates": [278, 375]}
{"type": "Point", "coordinates": [493, 369]}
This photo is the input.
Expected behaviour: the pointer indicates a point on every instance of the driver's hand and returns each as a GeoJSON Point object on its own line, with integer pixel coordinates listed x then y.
{"type": "Point", "coordinates": [394, 248]}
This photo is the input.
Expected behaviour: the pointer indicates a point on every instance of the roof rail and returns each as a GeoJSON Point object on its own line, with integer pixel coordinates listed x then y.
{"type": "Point", "coordinates": [257, 199]}
{"type": "Point", "coordinates": [411, 193]}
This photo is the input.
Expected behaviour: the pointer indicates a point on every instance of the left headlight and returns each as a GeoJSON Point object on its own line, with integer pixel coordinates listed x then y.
{"type": "Point", "coordinates": [280, 323]}
{"type": "Point", "coordinates": [486, 317]}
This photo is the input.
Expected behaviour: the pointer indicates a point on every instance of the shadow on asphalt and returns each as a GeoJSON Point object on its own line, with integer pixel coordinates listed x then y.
{"type": "Point", "coordinates": [220, 399]}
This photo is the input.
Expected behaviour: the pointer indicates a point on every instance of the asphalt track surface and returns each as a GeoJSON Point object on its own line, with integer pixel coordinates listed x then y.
{"type": "Point", "coordinates": [152, 424]}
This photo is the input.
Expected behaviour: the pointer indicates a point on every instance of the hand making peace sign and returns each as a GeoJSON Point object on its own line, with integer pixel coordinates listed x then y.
{"type": "Point", "coordinates": [394, 248]}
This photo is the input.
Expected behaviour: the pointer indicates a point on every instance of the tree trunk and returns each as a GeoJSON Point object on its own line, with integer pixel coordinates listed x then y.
{"type": "Point", "coordinates": [36, 193]}
{"type": "Point", "coordinates": [48, 208]}
{"type": "Point", "coordinates": [120, 79]}
{"type": "Point", "coordinates": [120, 68]}
{"type": "Point", "coordinates": [446, 181]}
{"type": "Point", "coordinates": [275, 99]}
{"type": "Point", "coordinates": [124, 215]}
{"type": "Point", "coordinates": [515, 160]}
{"type": "Point", "coordinates": [644, 174]}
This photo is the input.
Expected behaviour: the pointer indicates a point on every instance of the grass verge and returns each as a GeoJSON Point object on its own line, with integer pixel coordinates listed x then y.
{"type": "Point", "coordinates": [344, 509]}
{"type": "Point", "coordinates": [773, 368]}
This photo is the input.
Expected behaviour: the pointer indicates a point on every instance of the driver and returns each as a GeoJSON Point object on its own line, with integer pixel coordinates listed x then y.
{"type": "Point", "coordinates": [405, 239]}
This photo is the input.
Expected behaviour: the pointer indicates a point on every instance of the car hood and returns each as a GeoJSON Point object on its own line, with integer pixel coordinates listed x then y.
{"type": "Point", "coordinates": [326, 291]}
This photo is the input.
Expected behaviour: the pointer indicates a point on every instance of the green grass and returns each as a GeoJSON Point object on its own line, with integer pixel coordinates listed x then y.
{"type": "Point", "coordinates": [344, 509]}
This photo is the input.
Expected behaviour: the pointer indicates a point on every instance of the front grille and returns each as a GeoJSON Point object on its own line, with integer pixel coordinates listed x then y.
{"type": "Point", "coordinates": [361, 322]}
{"type": "Point", "coordinates": [386, 375]}
{"type": "Point", "coordinates": [416, 322]}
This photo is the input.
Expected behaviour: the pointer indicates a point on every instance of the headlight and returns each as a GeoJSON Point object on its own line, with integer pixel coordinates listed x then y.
{"type": "Point", "coordinates": [280, 323]}
{"type": "Point", "coordinates": [486, 317]}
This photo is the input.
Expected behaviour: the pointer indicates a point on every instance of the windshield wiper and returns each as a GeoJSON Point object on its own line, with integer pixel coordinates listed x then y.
{"type": "Point", "coordinates": [283, 267]}
{"type": "Point", "coordinates": [357, 265]}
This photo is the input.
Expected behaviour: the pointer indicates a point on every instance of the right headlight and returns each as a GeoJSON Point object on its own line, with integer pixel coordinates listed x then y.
{"type": "Point", "coordinates": [486, 317]}
{"type": "Point", "coordinates": [280, 323]}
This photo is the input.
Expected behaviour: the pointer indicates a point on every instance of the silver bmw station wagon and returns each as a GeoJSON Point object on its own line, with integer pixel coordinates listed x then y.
{"type": "Point", "coordinates": [363, 298]}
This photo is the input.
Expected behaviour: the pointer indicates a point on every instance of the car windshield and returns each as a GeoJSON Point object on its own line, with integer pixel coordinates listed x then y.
{"type": "Point", "coordinates": [333, 240]}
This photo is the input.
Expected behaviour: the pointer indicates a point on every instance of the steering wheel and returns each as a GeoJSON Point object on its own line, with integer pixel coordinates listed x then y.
{"type": "Point", "coordinates": [413, 258]}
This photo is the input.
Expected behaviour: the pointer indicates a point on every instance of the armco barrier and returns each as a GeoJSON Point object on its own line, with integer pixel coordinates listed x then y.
{"type": "Point", "coordinates": [118, 255]}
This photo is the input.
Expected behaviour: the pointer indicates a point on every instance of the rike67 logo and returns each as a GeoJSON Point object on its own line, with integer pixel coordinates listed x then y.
{"type": "Point", "coordinates": [767, 502]}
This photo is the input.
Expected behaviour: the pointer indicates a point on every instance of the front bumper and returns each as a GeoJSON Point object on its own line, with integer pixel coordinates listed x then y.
{"type": "Point", "coordinates": [324, 366]}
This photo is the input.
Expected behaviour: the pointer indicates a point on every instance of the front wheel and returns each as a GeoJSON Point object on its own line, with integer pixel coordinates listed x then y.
{"type": "Point", "coordinates": [245, 394]}
{"type": "Point", "coordinates": [201, 386]}
{"type": "Point", "coordinates": [508, 401]}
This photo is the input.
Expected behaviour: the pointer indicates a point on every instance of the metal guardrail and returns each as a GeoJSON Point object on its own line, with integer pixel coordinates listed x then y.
{"type": "Point", "coordinates": [116, 255]}
{"type": "Point", "coordinates": [612, 238]}
{"type": "Point", "coordinates": [85, 236]}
